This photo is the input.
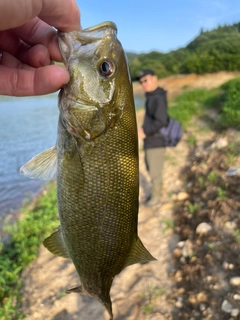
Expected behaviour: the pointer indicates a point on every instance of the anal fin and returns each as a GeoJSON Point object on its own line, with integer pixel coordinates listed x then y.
{"type": "Point", "coordinates": [55, 244]}
{"type": "Point", "coordinates": [139, 254]}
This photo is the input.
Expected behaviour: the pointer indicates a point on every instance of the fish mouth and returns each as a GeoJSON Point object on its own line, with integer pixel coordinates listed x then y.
{"type": "Point", "coordinates": [107, 24]}
{"type": "Point", "coordinates": [85, 36]}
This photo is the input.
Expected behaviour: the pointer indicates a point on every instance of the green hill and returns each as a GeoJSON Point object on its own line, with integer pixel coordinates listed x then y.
{"type": "Point", "coordinates": [210, 51]}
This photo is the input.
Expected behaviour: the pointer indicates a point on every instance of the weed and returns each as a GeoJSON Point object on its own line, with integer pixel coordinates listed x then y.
{"type": "Point", "coordinates": [25, 235]}
{"type": "Point", "coordinates": [194, 103]}
{"type": "Point", "coordinates": [237, 235]}
{"type": "Point", "coordinates": [233, 150]}
{"type": "Point", "coordinates": [191, 140]}
{"type": "Point", "coordinates": [168, 224]}
{"type": "Point", "coordinates": [222, 194]}
{"type": "Point", "coordinates": [211, 245]}
{"type": "Point", "coordinates": [171, 159]}
{"type": "Point", "coordinates": [148, 309]}
{"type": "Point", "coordinates": [201, 182]}
{"type": "Point", "coordinates": [61, 294]}
{"type": "Point", "coordinates": [193, 208]}
{"type": "Point", "coordinates": [230, 112]}
{"type": "Point", "coordinates": [151, 295]}
{"type": "Point", "coordinates": [213, 176]}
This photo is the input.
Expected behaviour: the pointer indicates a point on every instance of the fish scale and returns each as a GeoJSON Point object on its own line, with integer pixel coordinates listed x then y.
{"type": "Point", "coordinates": [96, 162]}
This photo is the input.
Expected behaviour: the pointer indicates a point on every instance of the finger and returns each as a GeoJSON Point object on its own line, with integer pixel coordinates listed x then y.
{"type": "Point", "coordinates": [61, 14]}
{"type": "Point", "coordinates": [7, 60]}
{"type": "Point", "coordinates": [35, 31]}
{"type": "Point", "coordinates": [22, 82]}
{"type": "Point", "coordinates": [11, 43]}
{"type": "Point", "coordinates": [38, 32]}
{"type": "Point", "coordinates": [37, 56]}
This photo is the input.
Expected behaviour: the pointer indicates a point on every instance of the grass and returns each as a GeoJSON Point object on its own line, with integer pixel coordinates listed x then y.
{"type": "Point", "coordinates": [196, 102]}
{"type": "Point", "coordinates": [25, 236]}
{"type": "Point", "coordinates": [191, 140]}
{"type": "Point", "coordinates": [213, 176]}
{"type": "Point", "coordinates": [230, 111]}
{"type": "Point", "coordinates": [192, 208]}
{"type": "Point", "coordinates": [168, 224]}
{"type": "Point", "coordinates": [151, 296]}
{"type": "Point", "coordinates": [237, 235]}
{"type": "Point", "coordinates": [193, 103]}
{"type": "Point", "coordinates": [221, 193]}
{"type": "Point", "coordinates": [233, 150]}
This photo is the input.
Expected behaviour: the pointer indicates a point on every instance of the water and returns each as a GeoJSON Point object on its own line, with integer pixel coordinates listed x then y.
{"type": "Point", "coordinates": [28, 126]}
{"type": "Point", "coordinates": [139, 100]}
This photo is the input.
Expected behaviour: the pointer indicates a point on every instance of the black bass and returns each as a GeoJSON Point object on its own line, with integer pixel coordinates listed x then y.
{"type": "Point", "coordinates": [96, 163]}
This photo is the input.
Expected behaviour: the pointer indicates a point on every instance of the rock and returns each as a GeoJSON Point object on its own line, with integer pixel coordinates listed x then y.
{"type": "Point", "coordinates": [181, 244]}
{"type": "Point", "coordinates": [183, 260]}
{"type": "Point", "coordinates": [182, 196]}
{"type": "Point", "coordinates": [227, 266]}
{"type": "Point", "coordinates": [231, 266]}
{"type": "Point", "coordinates": [187, 250]}
{"type": "Point", "coordinates": [179, 302]}
{"type": "Point", "coordinates": [178, 276]}
{"type": "Point", "coordinates": [235, 312]}
{"type": "Point", "coordinates": [220, 143]}
{"type": "Point", "coordinates": [202, 297]}
{"type": "Point", "coordinates": [235, 281]}
{"type": "Point", "coordinates": [236, 297]}
{"type": "Point", "coordinates": [202, 307]}
{"type": "Point", "coordinates": [226, 306]}
{"type": "Point", "coordinates": [203, 228]}
{"type": "Point", "coordinates": [178, 182]}
{"type": "Point", "coordinates": [233, 171]}
{"type": "Point", "coordinates": [177, 252]}
{"type": "Point", "coordinates": [192, 299]}
{"type": "Point", "coordinates": [230, 225]}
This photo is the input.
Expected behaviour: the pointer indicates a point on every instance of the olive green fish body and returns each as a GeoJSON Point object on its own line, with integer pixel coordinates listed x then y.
{"type": "Point", "coordinates": [96, 159]}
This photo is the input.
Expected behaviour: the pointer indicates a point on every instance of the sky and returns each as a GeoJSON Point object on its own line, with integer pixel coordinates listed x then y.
{"type": "Point", "coordinates": [161, 25]}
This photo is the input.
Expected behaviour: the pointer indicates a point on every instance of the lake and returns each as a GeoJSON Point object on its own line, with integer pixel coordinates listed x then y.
{"type": "Point", "coordinates": [28, 126]}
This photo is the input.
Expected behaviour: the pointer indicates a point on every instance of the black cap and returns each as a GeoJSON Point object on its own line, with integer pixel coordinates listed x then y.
{"type": "Point", "coordinates": [144, 73]}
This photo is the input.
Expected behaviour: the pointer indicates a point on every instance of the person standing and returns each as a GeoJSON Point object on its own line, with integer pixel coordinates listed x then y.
{"type": "Point", "coordinates": [155, 118]}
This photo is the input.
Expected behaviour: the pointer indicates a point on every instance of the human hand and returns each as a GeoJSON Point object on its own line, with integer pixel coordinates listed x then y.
{"type": "Point", "coordinates": [28, 45]}
{"type": "Point", "coordinates": [141, 134]}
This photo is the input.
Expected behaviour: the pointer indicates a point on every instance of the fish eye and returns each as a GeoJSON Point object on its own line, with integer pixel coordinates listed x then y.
{"type": "Point", "coordinates": [107, 68]}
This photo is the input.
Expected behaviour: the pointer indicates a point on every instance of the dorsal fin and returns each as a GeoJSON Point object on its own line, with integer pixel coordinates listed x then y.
{"type": "Point", "coordinates": [55, 244]}
{"type": "Point", "coordinates": [139, 254]}
{"type": "Point", "coordinates": [42, 166]}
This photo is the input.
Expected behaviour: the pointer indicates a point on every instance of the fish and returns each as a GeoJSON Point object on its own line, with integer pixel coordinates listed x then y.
{"type": "Point", "coordinates": [96, 163]}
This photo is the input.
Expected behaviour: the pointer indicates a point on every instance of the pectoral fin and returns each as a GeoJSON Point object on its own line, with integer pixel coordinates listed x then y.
{"type": "Point", "coordinates": [42, 166]}
{"type": "Point", "coordinates": [139, 254]}
{"type": "Point", "coordinates": [55, 244]}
